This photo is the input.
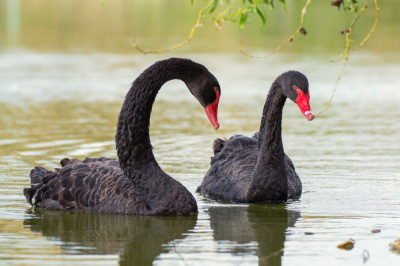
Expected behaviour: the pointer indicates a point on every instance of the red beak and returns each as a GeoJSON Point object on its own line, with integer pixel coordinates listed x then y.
{"type": "Point", "coordinates": [303, 101]}
{"type": "Point", "coordinates": [212, 111]}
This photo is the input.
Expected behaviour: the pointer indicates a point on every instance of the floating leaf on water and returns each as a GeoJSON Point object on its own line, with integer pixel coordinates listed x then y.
{"type": "Point", "coordinates": [375, 231]}
{"type": "Point", "coordinates": [395, 246]}
{"type": "Point", "coordinates": [348, 245]}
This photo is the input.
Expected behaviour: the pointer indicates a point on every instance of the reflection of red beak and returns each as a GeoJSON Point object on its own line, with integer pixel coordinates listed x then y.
{"type": "Point", "coordinates": [303, 101]}
{"type": "Point", "coordinates": [212, 111]}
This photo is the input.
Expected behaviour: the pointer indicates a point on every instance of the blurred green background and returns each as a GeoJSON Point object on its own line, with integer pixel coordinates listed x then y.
{"type": "Point", "coordinates": [87, 26]}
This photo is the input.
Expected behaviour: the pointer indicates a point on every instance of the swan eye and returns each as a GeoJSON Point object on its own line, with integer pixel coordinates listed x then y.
{"type": "Point", "coordinates": [217, 94]}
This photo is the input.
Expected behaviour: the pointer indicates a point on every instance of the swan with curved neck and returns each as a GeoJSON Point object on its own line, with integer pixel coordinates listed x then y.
{"type": "Point", "coordinates": [135, 183]}
{"type": "Point", "coordinates": [255, 170]}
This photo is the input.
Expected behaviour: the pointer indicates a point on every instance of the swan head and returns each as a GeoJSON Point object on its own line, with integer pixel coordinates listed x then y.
{"type": "Point", "coordinates": [205, 87]}
{"type": "Point", "coordinates": [295, 87]}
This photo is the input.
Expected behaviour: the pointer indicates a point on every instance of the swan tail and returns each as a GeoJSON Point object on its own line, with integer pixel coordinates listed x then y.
{"type": "Point", "coordinates": [29, 194]}
{"type": "Point", "coordinates": [67, 161]}
{"type": "Point", "coordinates": [39, 177]}
{"type": "Point", "coordinates": [37, 174]}
{"type": "Point", "coordinates": [218, 145]}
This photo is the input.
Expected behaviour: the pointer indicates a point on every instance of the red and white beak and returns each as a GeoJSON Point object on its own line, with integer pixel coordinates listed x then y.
{"type": "Point", "coordinates": [212, 111]}
{"type": "Point", "coordinates": [303, 101]}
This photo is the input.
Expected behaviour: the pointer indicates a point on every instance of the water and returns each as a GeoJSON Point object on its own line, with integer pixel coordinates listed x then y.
{"type": "Point", "coordinates": [56, 105]}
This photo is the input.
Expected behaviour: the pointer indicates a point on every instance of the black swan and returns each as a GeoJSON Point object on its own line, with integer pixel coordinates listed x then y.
{"type": "Point", "coordinates": [256, 170]}
{"type": "Point", "coordinates": [135, 183]}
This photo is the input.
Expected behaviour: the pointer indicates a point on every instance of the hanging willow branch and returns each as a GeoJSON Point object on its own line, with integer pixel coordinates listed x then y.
{"type": "Point", "coordinates": [250, 9]}
{"type": "Point", "coordinates": [300, 29]}
{"type": "Point", "coordinates": [188, 39]}
{"type": "Point", "coordinates": [345, 54]}
{"type": "Point", "coordinates": [377, 9]}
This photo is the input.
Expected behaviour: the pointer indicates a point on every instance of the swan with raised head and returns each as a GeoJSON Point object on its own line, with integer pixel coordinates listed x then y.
{"type": "Point", "coordinates": [256, 170]}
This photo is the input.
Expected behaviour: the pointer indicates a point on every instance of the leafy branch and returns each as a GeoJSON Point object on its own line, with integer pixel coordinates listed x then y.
{"type": "Point", "coordinates": [244, 12]}
{"type": "Point", "coordinates": [300, 29]}
{"type": "Point", "coordinates": [350, 5]}
{"type": "Point", "coordinates": [196, 25]}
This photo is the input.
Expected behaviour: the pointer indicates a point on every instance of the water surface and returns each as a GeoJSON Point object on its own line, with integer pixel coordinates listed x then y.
{"type": "Point", "coordinates": [54, 106]}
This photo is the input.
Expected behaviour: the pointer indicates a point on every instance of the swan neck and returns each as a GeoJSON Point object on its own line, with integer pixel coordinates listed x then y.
{"type": "Point", "coordinates": [269, 182]}
{"type": "Point", "coordinates": [132, 139]}
{"type": "Point", "coordinates": [270, 134]}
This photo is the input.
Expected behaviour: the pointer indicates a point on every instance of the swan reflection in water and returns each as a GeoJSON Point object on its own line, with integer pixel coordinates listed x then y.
{"type": "Point", "coordinates": [137, 239]}
{"type": "Point", "coordinates": [264, 224]}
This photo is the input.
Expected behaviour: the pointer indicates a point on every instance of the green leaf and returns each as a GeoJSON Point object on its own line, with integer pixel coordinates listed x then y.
{"type": "Point", "coordinates": [261, 15]}
{"type": "Point", "coordinates": [250, 9]}
{"type": "Point", "coordinates": [269, 3]}
{"type": "Point", "coordinates": [235, 14]}
{"type": "Point", "coordinates": [283, 3]}
{"type": "Point", "coordinates": [242, 20]}
{"type": "Point", "coordinates": [214, 6]}
{"type": "Point", "coordinates": [102, 2]}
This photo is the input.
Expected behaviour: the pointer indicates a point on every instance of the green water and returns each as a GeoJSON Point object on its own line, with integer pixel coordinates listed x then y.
{"type": "Point", "coordinates": [65, 67]}
{"type": "Point", "coordinates": [347, 160]}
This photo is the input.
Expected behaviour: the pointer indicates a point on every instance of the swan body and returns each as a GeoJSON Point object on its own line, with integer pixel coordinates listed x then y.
{"type": "Point", "coordinates": [256, 169]}
{"type": "Point", "coordinates": [134, 183]}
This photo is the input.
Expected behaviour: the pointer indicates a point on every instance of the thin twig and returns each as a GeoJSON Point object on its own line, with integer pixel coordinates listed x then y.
{"type": "Point", "coordinates": [220, 17]}
{"type": "Point", "coordinates": [334, 89]}
{"type": "Point", "coordinates": [345, 56]}
{"type": "Point", "coordinates": [188, 39]}
{"type": "Point", "coordinates": [377, 9]}
{"type": "Point", "coordinates": [285, 42]}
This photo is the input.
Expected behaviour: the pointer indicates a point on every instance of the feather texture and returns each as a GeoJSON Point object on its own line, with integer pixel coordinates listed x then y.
{"type": "Point", "coordinates": [135, 183]}
{"type": "Point", "coordinates": [256, 169]}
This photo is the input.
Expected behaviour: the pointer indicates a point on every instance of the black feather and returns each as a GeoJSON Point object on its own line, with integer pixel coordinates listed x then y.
{"type": "Point", "coordinates": [133, 184]}
{"type": "Point", "coordinates": [257, 169]}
